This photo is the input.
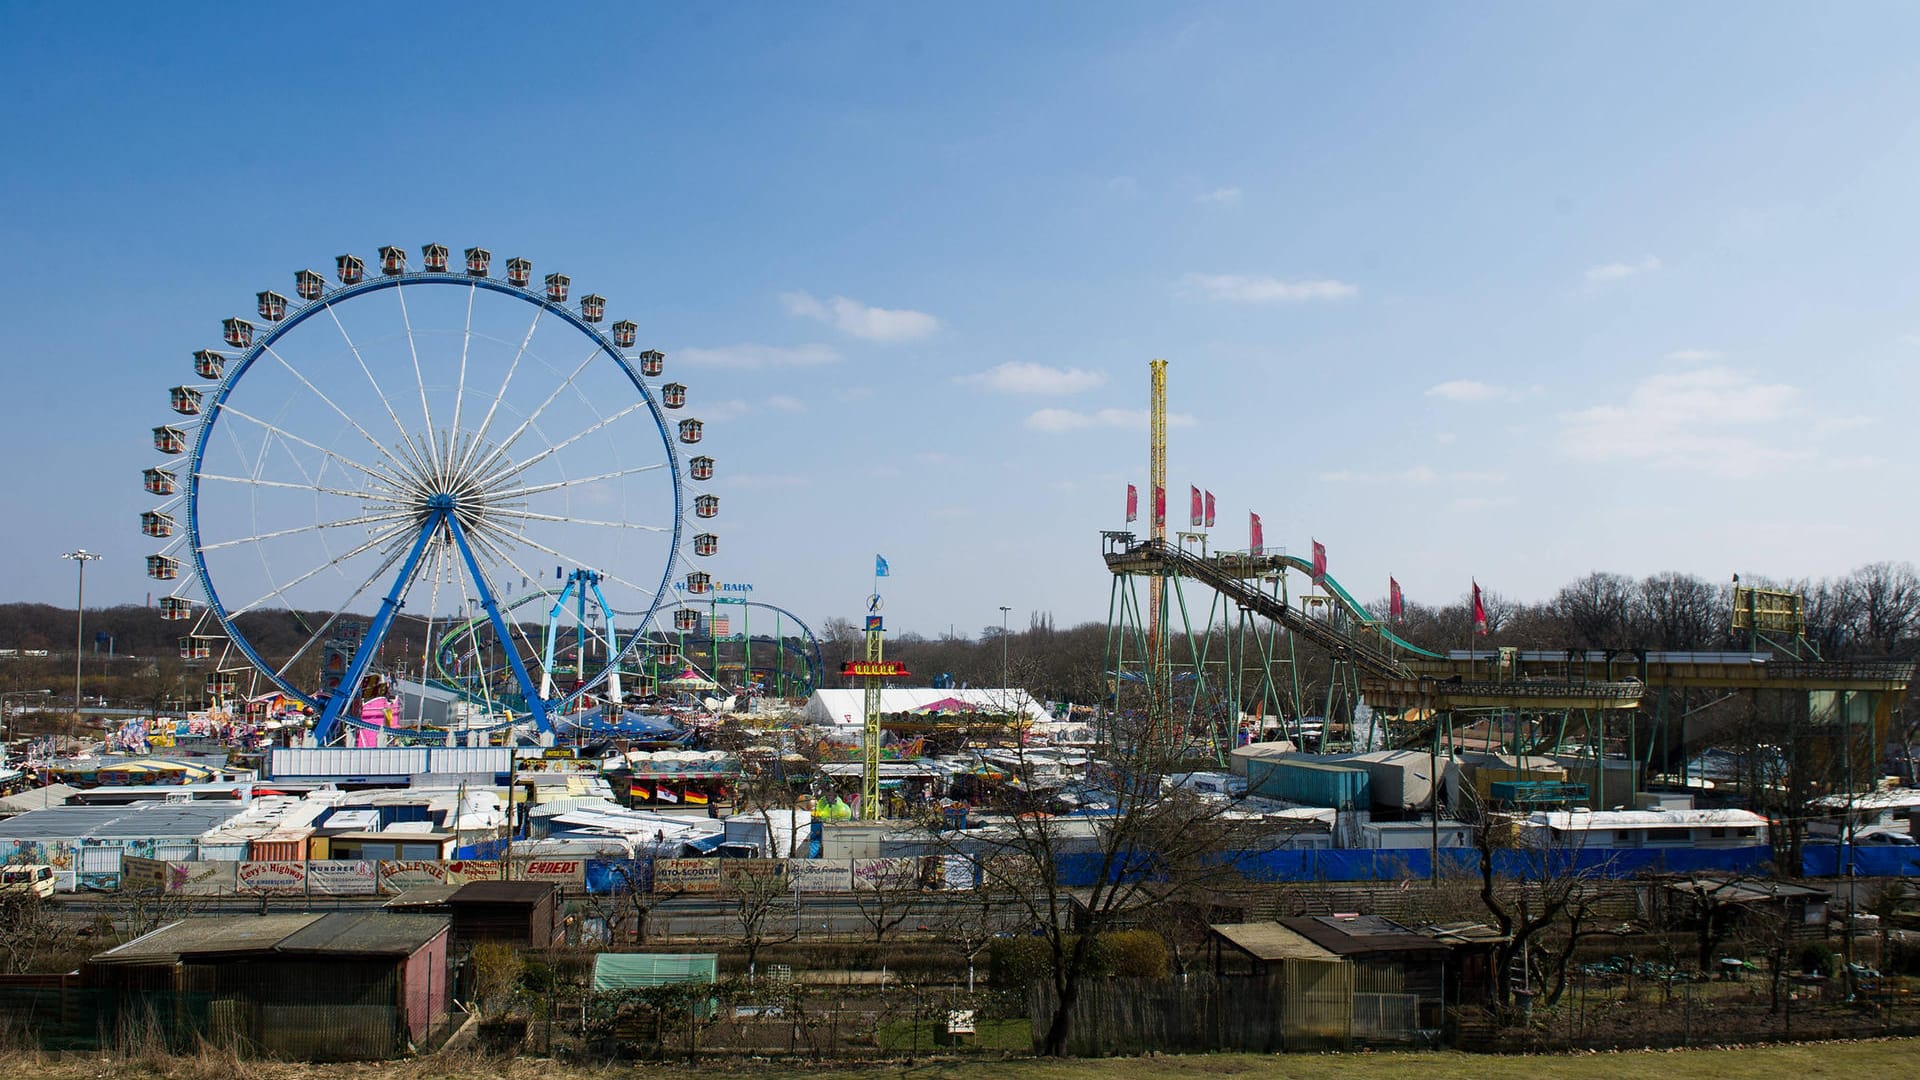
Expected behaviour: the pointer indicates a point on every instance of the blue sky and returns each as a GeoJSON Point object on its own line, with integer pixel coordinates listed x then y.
{"type": "Point", "coordinates": [1510, 292]}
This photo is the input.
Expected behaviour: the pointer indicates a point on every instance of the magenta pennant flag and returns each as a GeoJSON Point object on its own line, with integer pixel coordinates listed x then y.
{"type": "Point", "coordinates": [1396, 604]}
{"type": "Point", "coordinates": [1194, 516]}
{"type": "Point", "coordinates": [1319, 563]}
{"type": "Point", "coordinates": [1479, 611]}
{"type": "Point", "coordinates": [1159, 505]}
{"type": "Point", "coordinates": [1255, 542]}
{"type": "Point", "coordinates": [1209, 520]}
{"type": "Point", "coordinates": [1133, 503]}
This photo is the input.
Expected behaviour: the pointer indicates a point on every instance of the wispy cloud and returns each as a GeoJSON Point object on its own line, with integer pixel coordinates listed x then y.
{"type": "Point", "coordinates": [783, 403]}
{"type": "Point", "coordinates": [862, 320]}
{"type": "Point", "coordinates": [1416, 476]}
{"type": "Point", "coordinates": [731, 409]}
{"type": "Point", "coordinates": [1617, 271]}
{"type": "Point", "coordinates": [1015, 377]}
{"type": "Point", "coordinates": [1225, 196]}
{"type": "Point", "coordinates": [1058, 420]}
{"type": "Point", "coordinates": [1243, 289]}
{"type": "Point", "coordinates": [1123, 185]}
{"type": "Point", "coordinates": [1714, 420]}
{"type": "Point", "coordinates": [1693, 356]}
{"type": "Point", "coordinates": [759, 356]}
{"type": "Point", "coordinates": [761, 481]}
{"type": "Point", "coordinates": [1469, 390]}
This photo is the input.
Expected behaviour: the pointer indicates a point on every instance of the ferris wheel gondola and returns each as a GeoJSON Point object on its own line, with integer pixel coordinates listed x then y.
{"type": "Point", "coordinates": [408, 444]}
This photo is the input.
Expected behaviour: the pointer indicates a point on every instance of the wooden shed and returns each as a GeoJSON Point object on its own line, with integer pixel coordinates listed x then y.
{"type": "Point", "coordinates": [517, 912]}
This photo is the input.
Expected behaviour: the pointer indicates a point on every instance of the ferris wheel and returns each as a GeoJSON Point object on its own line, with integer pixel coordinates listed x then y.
{"type": "Point", "coordinates": [422, 445]}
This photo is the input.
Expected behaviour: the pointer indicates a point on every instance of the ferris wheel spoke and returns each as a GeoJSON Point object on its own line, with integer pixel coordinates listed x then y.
{"type": "Point", "coordinates": [316, 488]}
{"type": "Point", "coordinates": [528, 515]}
{"type": "Point", "coordinates": [329, 403]}
{"type": "Point", "coordinates": [493, 407]}
{"type": "Point", "coordinates": [514, 470]}
{"type": "Point", "coordinates": [435, 466]}
{"type": "Point", "coordinates": [320, 633]}
{"type": "Point", "coordinates": [460, 384]}
{"type": "Point", "coordinates": [398, 531]}
{"type": "Point", "coordinates": [406, 439]}
{"type": "Point", "coordinates": [519, 493]}
{"type": "Point", "coordinates": [513, 625]}
{"type": "Point", "coordinates": [394, 482]}
{"type": "Point", "coordinates": [566, 558]}
{"type": "Point", "coordinates": [533, 417]}
{"type": "Point", "coordinates": [369, 519]}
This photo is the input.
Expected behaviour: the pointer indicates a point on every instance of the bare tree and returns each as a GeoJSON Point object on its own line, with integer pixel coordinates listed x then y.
{"type": "Point", "coordinates": [30, 929]}
{"type": "Point", "coordinates": [1075, 878]}
{"type": "Point", "coordinates": [758, 893]}
{"type": "Point", "coordinates": [885, 892]}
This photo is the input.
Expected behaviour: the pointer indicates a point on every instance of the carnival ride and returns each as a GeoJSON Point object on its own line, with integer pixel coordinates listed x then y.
{"type": "Point", "coordinates": [439, 432]}
{"type": "Point", "coordinates": [788, 664]}
{"type": "Point", "coordinates": [1197, 671]}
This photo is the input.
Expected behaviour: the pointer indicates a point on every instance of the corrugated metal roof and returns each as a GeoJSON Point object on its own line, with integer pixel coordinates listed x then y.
{"type": "Point", "coordinates": [366, 933]}
{"type": "Point", "coordinates": [247, 933]}
{"type": "Point", "coordinates": [1351, 935]}
{"type": "Point", "coordinates": [137, 821]}
{"type": "Point", "coordinates": [503, 892]}
{"type": "Point", "coordinates": [1268, 941]}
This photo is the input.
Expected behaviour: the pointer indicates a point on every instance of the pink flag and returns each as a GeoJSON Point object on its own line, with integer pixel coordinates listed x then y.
{"type": "Point", "coordinates": [1479, 611]}
{"type": "Point", "coordinates": [1133, 503]}
{"type": "Point", "coordinates": [1159, 505]}
{"type": "Point", "coordinates": [1319, 563]}
{"type": "Point", "coordinates": [1254, 541]}
{"type": "Point", "coordinates": [1209, 521]}
{"type": "Point", "coordinates": [1396, 604]}
{"type": "Point", "coordinates": [1195, 516]}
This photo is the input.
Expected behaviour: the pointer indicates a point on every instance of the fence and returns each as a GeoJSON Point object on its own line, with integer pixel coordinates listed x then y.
{"type": "Point", "coordinates": [1308, 1005]}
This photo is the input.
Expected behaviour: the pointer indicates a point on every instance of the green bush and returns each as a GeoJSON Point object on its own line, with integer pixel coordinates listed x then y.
{"type": "Point", "coordinates": [1815, 958]}
{"type": "Point", "coordinates": [1125, 954]}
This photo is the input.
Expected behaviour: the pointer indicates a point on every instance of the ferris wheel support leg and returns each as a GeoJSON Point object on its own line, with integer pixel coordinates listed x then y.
{"type": "Point", "coordinates": [553, 631]}
{"type": "Point", "coordinates": [376, 633]}
{"type": "Point", "coordinates": [613, 640]}
{"type": "Point", "coordinates": [536, 703]}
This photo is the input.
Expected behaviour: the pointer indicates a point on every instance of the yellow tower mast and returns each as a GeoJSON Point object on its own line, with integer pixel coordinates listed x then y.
{"type": "Point", "coordinates": [1157, 480]}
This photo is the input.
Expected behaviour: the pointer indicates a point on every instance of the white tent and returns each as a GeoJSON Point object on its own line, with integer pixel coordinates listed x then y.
{"type": "Point", "coordinates": [847, 708]}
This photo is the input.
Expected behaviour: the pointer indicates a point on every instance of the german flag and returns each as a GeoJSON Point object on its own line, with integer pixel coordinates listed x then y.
{"type": "Point", "coordinates": [695, 798]}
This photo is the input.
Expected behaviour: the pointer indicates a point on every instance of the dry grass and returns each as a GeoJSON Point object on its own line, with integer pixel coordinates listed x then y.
{"type": "Point", "coordinates": [1812, 1061]}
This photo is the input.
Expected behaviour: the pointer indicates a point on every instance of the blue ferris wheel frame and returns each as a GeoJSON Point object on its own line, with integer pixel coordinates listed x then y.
{"type": "Point", "coordinates": [330, 708]}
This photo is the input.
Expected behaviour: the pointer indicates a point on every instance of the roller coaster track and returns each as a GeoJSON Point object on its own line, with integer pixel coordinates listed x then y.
{"type": "Point", "coordinates": [1375, 651]}
{"type": "Point", "coordinates": [808, 651]}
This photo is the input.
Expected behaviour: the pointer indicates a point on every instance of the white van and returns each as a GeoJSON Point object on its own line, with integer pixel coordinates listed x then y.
{"type": "Point", "coordinates": [36, 878]}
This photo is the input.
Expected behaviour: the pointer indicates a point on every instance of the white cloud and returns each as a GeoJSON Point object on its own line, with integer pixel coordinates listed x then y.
{"type": "Point", "coordinates": [1015, 377]}
{"type": "Point", "coordinates": [1416, 476]}
{"type": "Point", "coordinates": [861, 320]}
{"type": "Point", "coordinates": [783, 403]}
{"type": "Point", "coordinates": [724, 410]}
{"type": "Point", "coordinates": [1226, 196]}
{"type": "Point", "coordinates": [854, 393]}
{"type": "Point", "coordinates": [759, 356]}
{"type": "Point", "coordinates": [1124, 185]}
{"type": "Point", "coordinates": [1058, 420]}
{"type": "Point", "coordinates": [1468, 390]}
{"type": "Point", "coordinates": [1267, 290]}
{"type": "Point", "coordinates": [762, 481]}
{"type": "Point", "coordinates": [1910, 339]}
{"type": "Point", "coordinates": [1715, 420]}
{"type": "Point", "coordinates": [1693, 356]}
{"type": "Point", "coordinates": [1616, 271]}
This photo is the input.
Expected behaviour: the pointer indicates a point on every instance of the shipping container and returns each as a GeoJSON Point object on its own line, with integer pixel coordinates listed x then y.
{"type": "Point", "coordinates": [1309, 783]}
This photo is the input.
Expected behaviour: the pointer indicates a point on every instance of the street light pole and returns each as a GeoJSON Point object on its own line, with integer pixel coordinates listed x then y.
{"type": "Point", "coordinates": [1003, 645]}
{"type": "Point", "coordinates": [81, 557]}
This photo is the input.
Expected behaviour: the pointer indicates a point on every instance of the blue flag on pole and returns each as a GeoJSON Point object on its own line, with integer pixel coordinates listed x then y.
{"type": "Point", "coordinates": [879, 566]}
